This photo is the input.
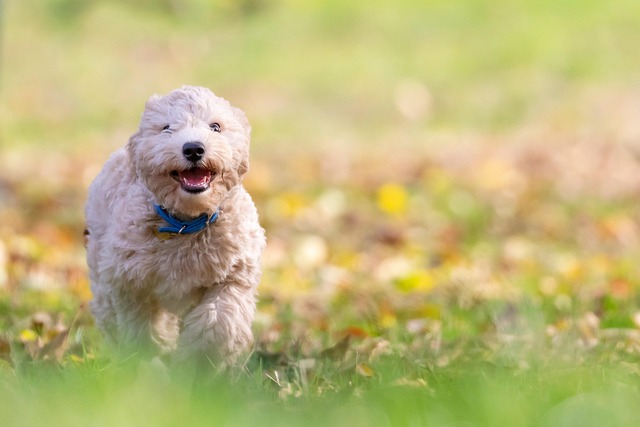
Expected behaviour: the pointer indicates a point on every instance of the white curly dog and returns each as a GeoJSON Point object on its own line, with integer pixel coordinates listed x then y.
{"type": "Point", "coordinates": [173, 239]}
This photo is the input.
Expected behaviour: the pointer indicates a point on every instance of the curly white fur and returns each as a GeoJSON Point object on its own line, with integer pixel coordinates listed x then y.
{"type": "Point", "coordinates": [195, 293]}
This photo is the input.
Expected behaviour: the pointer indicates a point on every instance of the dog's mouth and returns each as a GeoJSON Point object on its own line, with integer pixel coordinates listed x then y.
{"type": "Point", "coordinates": [194, 180]}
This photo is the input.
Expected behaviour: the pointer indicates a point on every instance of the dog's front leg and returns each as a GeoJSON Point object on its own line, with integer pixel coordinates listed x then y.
{"type": "Point", "coordinates": [144, 327]}
{"type": "Point", "coordinates": [218, 329]}
{"type": "Point", "coordinates": [134, 317]}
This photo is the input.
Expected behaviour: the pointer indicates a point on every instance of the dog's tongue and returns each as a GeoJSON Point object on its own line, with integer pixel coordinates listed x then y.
{"type": "Point", "coordinates": [195, 178]}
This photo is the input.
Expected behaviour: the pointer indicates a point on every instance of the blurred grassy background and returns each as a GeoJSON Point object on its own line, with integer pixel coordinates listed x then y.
{"type": "Point", "coordinates": [321, 76]}
{"type": "Point", "coordinates": [315, 71]}
{"type": "Point", "coordinates": [452, 184]}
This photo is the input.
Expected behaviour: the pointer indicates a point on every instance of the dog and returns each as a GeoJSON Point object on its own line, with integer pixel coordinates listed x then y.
{"type": "Point", "coordinates": [174, 244]}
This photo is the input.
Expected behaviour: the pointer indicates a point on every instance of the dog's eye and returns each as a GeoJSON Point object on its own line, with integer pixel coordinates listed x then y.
{"type": "Point", "coordinates": [215, 127]}
{"type": "Point", "coordinates": [167, 127]}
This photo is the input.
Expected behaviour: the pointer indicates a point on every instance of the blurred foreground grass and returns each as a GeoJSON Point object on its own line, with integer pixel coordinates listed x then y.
{"type": "Point", "coordinates": [450, 193]}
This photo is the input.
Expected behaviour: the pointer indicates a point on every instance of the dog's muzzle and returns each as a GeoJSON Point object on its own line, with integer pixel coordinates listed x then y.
{"type": "Point", "coordinates": [195, 179]}
{"type": "Point", "coordinates": [193, 151]}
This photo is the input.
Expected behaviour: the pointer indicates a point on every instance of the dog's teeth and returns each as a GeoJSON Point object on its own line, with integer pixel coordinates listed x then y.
{"type": "Point", "coordinates": [195, 180]}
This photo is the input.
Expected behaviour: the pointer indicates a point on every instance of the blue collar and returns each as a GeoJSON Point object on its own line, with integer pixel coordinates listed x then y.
{"type": "Point", "coordinates": [185, 227]}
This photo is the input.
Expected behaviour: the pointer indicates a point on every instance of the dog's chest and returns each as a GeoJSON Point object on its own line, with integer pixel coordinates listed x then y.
{"type": "Point", "coordinates": [174, 268]}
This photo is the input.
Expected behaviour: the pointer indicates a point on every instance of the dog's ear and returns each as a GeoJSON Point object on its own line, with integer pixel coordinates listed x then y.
{"type": "Point", "coordinates": [130, 148]}
{"type": "Point", "coordinates": [243, 165]}
{"type": "Point", "coordinates": [152, 103]}
{"type": "Point", "coordinates": [242, 119]}
{"type": "Point", "coordinates": [152, 106]}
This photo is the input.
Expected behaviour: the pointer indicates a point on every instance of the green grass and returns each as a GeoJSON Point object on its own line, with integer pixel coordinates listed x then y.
{"type": "Point", "coordinates": [451, 184]}
{"type": "Point", "coordinates": [473, 392]}
{"type": "Point", "coordinates": [493, 364]}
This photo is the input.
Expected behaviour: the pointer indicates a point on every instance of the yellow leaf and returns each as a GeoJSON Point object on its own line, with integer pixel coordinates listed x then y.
{"type": "Point", "coordinates": [392, 199]}
{"type": "Point", "coordinates": [28, 335]}
{"type": "Point", "coordinates": [288, 204]}
{"type": "Point", "coordinates": [416, 281]}
{"type": "Point", "coordinates": [569, 267]}
{"type": "Point", "coordinates": [364, 370]}
{"type": "Point", "coordinates": [79, 286]}
{"type": "Point", "coordinates": [388, 320]}
{"type": "Point", "coordinates": [431, 311]}
{"type": "Point", "coordinates": [76, 359]}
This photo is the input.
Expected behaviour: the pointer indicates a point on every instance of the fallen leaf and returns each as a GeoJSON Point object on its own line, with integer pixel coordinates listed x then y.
{"type": "Point", "coordinates": [416, 281]}
{"type": "Point", "coordinates": [337, 351]}
{"type": "Point", "coordinates": [40, 322]}
{"type": "Point", "coordinates": [55, 348]}
{"type": "Point", "coordinates": [28, 335]}
{"type": "Point", "coordinates": [5, 349]}
{"type": "Point", "coordinates": [355, 332]}
{"type": "Point", "coordinates": [620, 289]}
{"type": "Point", "coordinates": [392, 199]}
{"type": "Point", "coordinates": [76, 359]}
{"type": "Point", "coordinates": [407, 382]}
{"type": "Point", "coordinates": [364, 370]}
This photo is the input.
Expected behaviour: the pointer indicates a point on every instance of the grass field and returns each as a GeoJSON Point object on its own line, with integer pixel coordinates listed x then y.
{"type": "Point", "coordinates": [450, 193]}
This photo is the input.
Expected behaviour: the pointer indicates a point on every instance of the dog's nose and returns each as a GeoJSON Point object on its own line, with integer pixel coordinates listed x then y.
{"type": "Point", "coordinates": [193, 151]}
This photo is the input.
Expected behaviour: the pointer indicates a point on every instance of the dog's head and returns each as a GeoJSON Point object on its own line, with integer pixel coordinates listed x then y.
{"type": "Point", "coordinates": [192, 147]}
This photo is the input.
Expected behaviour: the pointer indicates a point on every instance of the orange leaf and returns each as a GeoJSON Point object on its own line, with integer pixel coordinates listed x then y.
{"type": "Point", "coordinates": [364, 370]}
{"type": "Point", "coordinates": [355, 332]}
